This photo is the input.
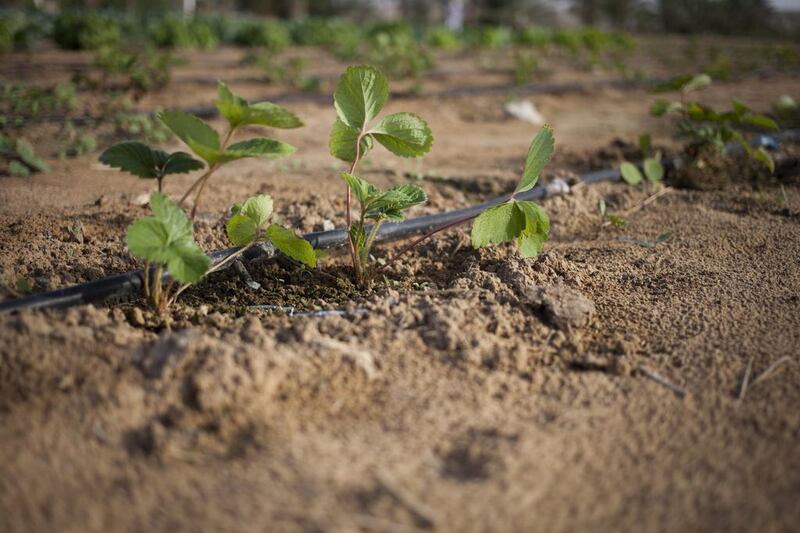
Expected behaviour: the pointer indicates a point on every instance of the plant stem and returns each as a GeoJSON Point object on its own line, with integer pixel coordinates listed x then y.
{"type": "Point", "coordinates": [230, 258]}
{"type": "Point", "coordinates": [372, 234]}
{"type": "Point", "coordinates": [205, 177]}
{"type": "Point", "coordinates": [156, 294]}
{"type": "Point", "coordinates": [147, 279]}
{"type": "Point", "coordinates": [353, 252]}
{"type": "Point", "coordinates": [434, 231]}
{"type": "Point", "coordinates": [194, 185]}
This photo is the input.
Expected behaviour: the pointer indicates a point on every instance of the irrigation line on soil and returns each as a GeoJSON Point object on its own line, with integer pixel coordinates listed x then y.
{"type": "Point", "coordinates": [123, 284]}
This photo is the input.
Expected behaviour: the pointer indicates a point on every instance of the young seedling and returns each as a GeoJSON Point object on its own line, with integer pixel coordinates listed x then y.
{"type": "Point", "coordinates": [524, 222]}
{"type": "Point", "coordinates": [361, 93]}
{"type": "Point", "coordinates": [608, 217]}
{"type": "Point", "coordinates": [707, 129]}
{"type": "Point", "coordinates": [19, 158]}
{"type": "Point", "coordinates": [205, 142]}
{"type": "Point", "coordinates": [249, 226]}
{"type": "Point", "coordinates": [378, 206]}
{"type": "Point", "coordinates": [165, 240]}
{"type": "Point", "coordinates": [653, 171]}
{"type": "Point", "coordinates": [521, 221]}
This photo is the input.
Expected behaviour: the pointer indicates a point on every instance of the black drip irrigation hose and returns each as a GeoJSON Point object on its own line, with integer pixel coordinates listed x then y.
{"type": "Point", "coordinates": [124, 284]}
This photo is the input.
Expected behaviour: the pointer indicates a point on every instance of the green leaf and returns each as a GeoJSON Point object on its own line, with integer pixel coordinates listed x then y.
{"type": "Point", "coordinates": [291, 245]}
{"type": "Point", "coordinates": [258, 147]}
{"type": "Point", "coordinates": [739, 108]}
{"type": "Point", "coordinates": [230, 106]}
{"type": "Point", "coordinates": [537, 229]}
{"type": "Point", "coordinates": [258, 209]}
{"type": "Point", "coordinates": [530, 245]}
{"type": "Point", "coordinates": [536, 219]}
{"type": "Point", "coordinates": [343, 142]}
{"type": "Point", "coordinates": [404, 134]}
{"type": "Point", "coordinates": [358, 235]}
{"type": "Point", "coordinates": [653, 169]}
{"type": "Point", "coordinates": [15, 168]}
{"type": "Point", "coordinates": [391, 203]}
{"type": "Point", "coordinates": [497, 224]}
{"type": "Point", "coordinates": [539, 154]}
{"type": "Point", "coordinates": [134, 157]}
{"type": "Point", "coordinates": [180, 163]}
{"type": "Point", "coordinates": [761, 155]}
{"type": "Point", "coordinates": [145, 162]}
{"type": "Point", "coordinates": [697, 82]}
{"type": "Point", "coordinates": [760, 121]}
{"type": "Point", "coordinates": [363, 190]}
{"type": "Point", "coordinates": [148, 239]}
{"type": "Point", "coordinates": [645, 144]}
{"type": "Point", "coordinates": [178, 225]}
{"type": "Point", "coordinates": [630, 173]}
{"type": "Point", "coordinates": [26, 153]}
{"type": "Point", "coordinates": [360, 94]}
{"type": "Point", "coordinates": [166, 238]}
{"type": "Point", "coordinates": [239, 113]}
{"type": "Point", "coordinates": [272, 115]}
{"type": "Point", "coordinates": [241, 230]}
{"type": "Point", "coordinates": [661, 107]}
{"type": "Point", "coordinates": [198, 135]}
{"type": "Point", "coordinates": [188, 263]}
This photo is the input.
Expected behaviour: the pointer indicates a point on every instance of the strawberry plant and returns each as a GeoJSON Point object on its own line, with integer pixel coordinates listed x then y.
{"type": "Point", "coordinates": [706, 129]}
{"type": "Point", "coordinates": [248, 227]}
{"type": "Point", "coordinates": [205, 142]}
{"type": "Point", "coordinates": [360, 95]}
{"type": "Point", "coordinates": [521, 221]}
{"type": "Point", "coordinates": [165, 240]}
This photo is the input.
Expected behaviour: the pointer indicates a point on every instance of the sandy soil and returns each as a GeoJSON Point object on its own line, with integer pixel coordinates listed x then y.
{"type": "Point", "coordinates": [477, 392]}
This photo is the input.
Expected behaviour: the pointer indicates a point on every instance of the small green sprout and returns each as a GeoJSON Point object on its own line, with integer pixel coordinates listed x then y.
{"type": "Point", "coordinates": [148, 163]}
{"type": "Point", "coordinates": [707, 129]}
{"type": "Point", "coordinates": [166, 240]}
{"type": "Point", "coordinates": [19, 158]}
{"type": "Point", "coordinates": [378, 206]}
{"type": "Point", "coordinates": [248, 226]}
{"type": "Point", "coordinates": [653, 171]}
{"type": "Point", "coordinates": [524, 222]}
{"type": "Point", "coordinates": [608, 217]}
{"type": "Point", "coordinates": [360, 95]}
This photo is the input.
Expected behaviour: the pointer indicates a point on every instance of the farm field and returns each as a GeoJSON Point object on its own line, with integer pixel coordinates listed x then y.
{"type": "Point", "coordinates": [641, 373]}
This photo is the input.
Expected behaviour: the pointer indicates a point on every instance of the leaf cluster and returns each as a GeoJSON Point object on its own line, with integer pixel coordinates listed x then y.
{"type": "Point", "coordinates": [384, 205]}
{"type": "Point", "coordinates": [653, 171]}
{"type": "Point", "coordinates": [166, 239]}
{"type": "Point", "coordinates": [360, 95]}
{"type": "Point", "coordinates": [248, 225]}
{"type": "Point", "coordinates": [524, 222]}
{"type": "Point", "coordinates": [704, 127]}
